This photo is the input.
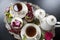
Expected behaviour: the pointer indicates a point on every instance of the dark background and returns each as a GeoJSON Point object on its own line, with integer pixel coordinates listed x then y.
{"type": "Point", "coordinates": [52, 7]}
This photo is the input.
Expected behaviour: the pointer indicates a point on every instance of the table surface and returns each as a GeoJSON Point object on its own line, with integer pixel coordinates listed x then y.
{"type": "Point", "coordinates": [51, 7]}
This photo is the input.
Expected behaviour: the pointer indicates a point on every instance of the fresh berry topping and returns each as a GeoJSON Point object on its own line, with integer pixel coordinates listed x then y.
{"type": "Point", "coordinates": [15, 31]}
{"type": "Point", "coordinates": [29, 7]}
{"type": "Point", "coordinates": [29, 15]}
{"type": "Point", "coordinates": [16, 23]}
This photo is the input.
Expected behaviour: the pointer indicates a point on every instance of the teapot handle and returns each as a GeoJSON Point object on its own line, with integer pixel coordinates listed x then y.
{"type": "Point", "coordinates": [57, 24]}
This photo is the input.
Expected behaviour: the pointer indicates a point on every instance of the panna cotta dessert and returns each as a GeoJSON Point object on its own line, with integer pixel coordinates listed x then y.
{"type": "Point", "coordinates": [16, 23]}
{"type": "Point", "coordinates": [8, 15]}
{"type": "Point", "coordinates": [29, 16]}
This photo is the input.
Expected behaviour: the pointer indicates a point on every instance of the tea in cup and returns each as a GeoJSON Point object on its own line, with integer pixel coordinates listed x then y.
{"type": "Point", "coordinates": [31, 31]}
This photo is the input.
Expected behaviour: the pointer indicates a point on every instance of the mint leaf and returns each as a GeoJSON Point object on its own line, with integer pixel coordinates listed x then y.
{"type": "Point", "coordinates": [41, 37]}
{"type": "Point", "coordinates": [9, 20]}
{"type": "Point", "coordinates": [36, 21]}
{"type": "Point", "coordinates": [24, 37]}
{"type": "Point", "coordinates": [26, 16]}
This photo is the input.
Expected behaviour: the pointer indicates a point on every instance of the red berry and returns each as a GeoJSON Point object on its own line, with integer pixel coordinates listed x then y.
{"type": "Point", "coordinates": [29, 7]}
{"type": "Point", "coordinates": [13, 24]}
{"type": "Point", "coordinates": [30, 12]}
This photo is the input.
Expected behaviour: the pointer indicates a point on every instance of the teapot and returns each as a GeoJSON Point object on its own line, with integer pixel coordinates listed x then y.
{"type": "Point", "coordinates": [48, 22]}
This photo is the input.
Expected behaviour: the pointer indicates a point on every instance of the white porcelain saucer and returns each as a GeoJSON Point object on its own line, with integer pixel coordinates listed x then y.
{"type": "Point", "coordinates": [21, 13]}
{"type": "Point", "coordinates": [23, 32]}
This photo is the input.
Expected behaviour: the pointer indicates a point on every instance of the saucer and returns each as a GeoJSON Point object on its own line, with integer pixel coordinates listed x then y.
{"type": "Point", "coordinates": [21, 13]}
{"type": "Point", "coordinates": [23, 33]}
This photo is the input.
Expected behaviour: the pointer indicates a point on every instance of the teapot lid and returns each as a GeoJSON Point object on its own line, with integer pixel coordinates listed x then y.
{"type": "Point", "coordinates": [51, 20]}
{"type": "Point", "coordinates": [39, 13]}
